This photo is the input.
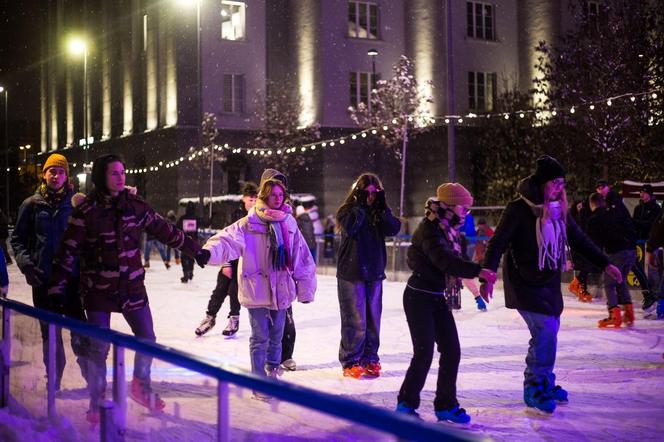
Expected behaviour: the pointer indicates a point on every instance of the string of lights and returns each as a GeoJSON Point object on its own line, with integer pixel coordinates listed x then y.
{"type": "Point", "coordinates": [420, 120]}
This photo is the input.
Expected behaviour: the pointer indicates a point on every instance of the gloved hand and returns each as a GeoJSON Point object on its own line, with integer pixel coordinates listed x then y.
{"type": "Point", "coordinates": [34, 276]}
{"type": "Point", "coordinates": [202, 257]}
{"type": "Point", "coordinates": [361, 196]}
{"type": "Point", "coordinates": [379, 203]}
{"type": "Point", "coordinates": [481, 306]}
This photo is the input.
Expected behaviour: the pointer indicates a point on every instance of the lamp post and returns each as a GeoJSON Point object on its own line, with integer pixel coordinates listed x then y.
{"type": "Point", "coordinates": [77, 47]}
{"type": "Point", "coordinates": [372, 53]}
{"type": "Point", "coordinates": [25, 150]}
{"type": "Point", "coordinates": [2, 89]}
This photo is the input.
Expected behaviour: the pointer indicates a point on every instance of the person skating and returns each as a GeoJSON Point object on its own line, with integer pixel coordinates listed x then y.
{"type": "Point", "coordinates": [275, 268]}
{"type": "Point", "coordinates": [42, 220]}
{"type": "Point", "coordinates": [189, 223]}
{"type": "Point", "coordinates": [227, 277]}
{"type": "Point", "coordinates": [645, 215]}
{"type": "Point", "coordinates": [532, 232]}
{"type": "Point", "coordinates": [112, 275]}
{"type": "Point", "coordinates": [364, 220]}
{"type": "Point", "coordinates": [615, 234]}
{"type": "Point", "coordinates": [655, 260]}
{"type": "Point", "coordinates": [432, 291]}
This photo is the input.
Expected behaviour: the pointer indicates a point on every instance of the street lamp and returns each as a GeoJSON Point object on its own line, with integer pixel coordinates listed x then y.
{"type": "Point", "coordinates": [77, 47]}
{"type": "Point", "coordinates": [372, 53]}
{"type": "Point", "coordinates": [2, 89]}
{"type": "Point", "coordinates": [25, 150]}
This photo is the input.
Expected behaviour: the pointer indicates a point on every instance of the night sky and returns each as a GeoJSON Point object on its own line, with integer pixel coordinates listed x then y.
{"type": "Point", "coordinates": [20, 58]}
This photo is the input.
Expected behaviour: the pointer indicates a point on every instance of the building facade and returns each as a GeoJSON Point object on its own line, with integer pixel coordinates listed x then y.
{"type": "Point", "coordinates": [138, 94]}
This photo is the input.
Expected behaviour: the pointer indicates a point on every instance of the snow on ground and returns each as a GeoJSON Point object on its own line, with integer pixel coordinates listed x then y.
{"type": "Point", "coordinates": [615, 377]}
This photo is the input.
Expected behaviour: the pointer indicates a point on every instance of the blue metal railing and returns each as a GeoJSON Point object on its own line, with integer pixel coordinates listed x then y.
{"type": "Point", "coordinates": [380, 419]}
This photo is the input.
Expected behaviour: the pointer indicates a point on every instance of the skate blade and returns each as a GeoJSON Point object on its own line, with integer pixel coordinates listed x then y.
{"type": "Point", "coordinates": [536, 412]}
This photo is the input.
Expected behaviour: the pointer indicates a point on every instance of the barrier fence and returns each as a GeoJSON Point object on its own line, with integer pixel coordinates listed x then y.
{"type": "Point", "coordinates": [205, 401]}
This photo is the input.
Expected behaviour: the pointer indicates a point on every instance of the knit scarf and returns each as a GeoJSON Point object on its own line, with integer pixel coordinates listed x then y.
{"type": "Point", "coordinates": [280, 254]}
{"type": "Point", "coordinates": [52, 197]}
{"type": "Point", "coordinates": [551, 234]}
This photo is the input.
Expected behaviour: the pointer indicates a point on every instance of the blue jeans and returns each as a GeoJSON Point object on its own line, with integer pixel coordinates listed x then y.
{"type": "Point", "coordinates": [160, 248]}
{"type": "Point", "coordinates": [618, 293]}
{"type": "Point", "coordinates": [541, 348]}
{"type": "Point", "coordinates": [361, 306]}
{"type": "Point", "coordinates": [141, 325]}
{"type": "Point", "coordinates": [267, 329]}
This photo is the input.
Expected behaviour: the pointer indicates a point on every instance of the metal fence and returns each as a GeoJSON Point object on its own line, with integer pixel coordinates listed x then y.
{"type": "Point", "coordinates": [213, 413]}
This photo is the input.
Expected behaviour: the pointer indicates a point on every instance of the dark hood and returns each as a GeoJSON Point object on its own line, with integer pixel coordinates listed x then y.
{"type": "Point", "coordinates": [530, 189]}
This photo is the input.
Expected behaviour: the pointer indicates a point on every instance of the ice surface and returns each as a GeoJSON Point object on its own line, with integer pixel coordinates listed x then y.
{"type": "Point", "coordinates": [615, 377]}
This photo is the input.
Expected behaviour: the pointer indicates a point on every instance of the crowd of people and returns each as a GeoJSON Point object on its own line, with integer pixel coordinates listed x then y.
{"type": "Point", "coordinates": [85, 255]}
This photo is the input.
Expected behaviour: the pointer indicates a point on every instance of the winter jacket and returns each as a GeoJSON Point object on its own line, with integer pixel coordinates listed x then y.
{"type": "Point", "coordinates": [431, 257]}
{"type": "Point", "coordinates": [189, 223]}
{"type": "Point", "coordinates": [362, 252]}
{"type": "Point", "coordinates": [644, 217]}
{"type": "Point", "coordinates": [526, 286]}
{"type": "Point", "coordinates": [610, 231]}
{"type": "Point", "coordinates": [105, 233]}
{"type": "Point", "coordinates": [259, 285]}
{"type": "Point", "coordinates": [656, 238]}
{"type": "Point", "coordinates": [39, 228]}
{"type": "Point", "coordinates": [306, 227]}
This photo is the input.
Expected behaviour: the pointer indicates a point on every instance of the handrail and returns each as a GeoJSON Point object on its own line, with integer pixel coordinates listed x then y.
{"type": "Point", "coordinates": [364, 414]}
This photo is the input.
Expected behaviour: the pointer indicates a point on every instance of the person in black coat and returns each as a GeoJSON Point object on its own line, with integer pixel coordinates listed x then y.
{"type": "Point", "coordinates": [615, 234]}
{"type": "Point", "coordinates": [580, 211]}
{"type": "Point", "coordinates": [364, 220]}
{"type": "Point", "coordinates": [532, 232]}
{"type": "Point", "coordinates": [645, 215]}
{"type": "Point", "coordinates": [189, 223]}
{"type": "Point", "coordinates": [433, 290]}
{"type": "Point", "coordinates": [655, 260]}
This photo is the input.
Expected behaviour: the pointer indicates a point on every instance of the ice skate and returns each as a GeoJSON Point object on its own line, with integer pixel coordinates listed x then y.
{"type": "Point", "coordinates": [232, 326]}
{"type": "Point", "coordinates": [649, 302]}
{"type": "Point", "coordinates": [628, 314]}
{"type": "Point", "coordinates": [574, 286]}
{"type": "Point", "coordinates": [405, 409]}
{"type": "Point", "coordinates": [289, 365]}
{"type": "Point", "coordinates": [583, 294]}
{"type": "Point", "coordinates": [206, 325]}
{"type": "Point", "coordinates": [355, 372]}
{"type": "Point", "coordinates": [455, 415]}
{"type": "Point", "coordinates": [537, 400]}
{"type": "Point", "coordinates": [144, 396]}
{"type": "Point", "coordinates": [613, 321]}
{"type": "Point", "coordinates": [372, 369]}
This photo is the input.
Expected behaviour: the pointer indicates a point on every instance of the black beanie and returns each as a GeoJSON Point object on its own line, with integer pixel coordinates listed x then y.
{"type": "Point", "coordinates": [250, 189]}
{"type": "Point", "coordinates": [99, 171]}
{"type": "Point", "coordinates": [548, 169]}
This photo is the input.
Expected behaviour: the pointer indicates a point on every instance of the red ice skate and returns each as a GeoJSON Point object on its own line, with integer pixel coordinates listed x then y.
{"type": "Point", "coordinates": [144, 396]}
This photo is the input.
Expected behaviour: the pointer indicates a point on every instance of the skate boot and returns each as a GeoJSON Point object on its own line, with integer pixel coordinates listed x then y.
{"type": "Point", "coordinates": [455, 415]}
{"type": "Point", "coordinates": [628, 310]}
{"type": "Point", "coordinates": [146, 265]}
{"type": "Point", "coordinates": [289, 365]}
{"type": "Point", "coordinates": [613, 321]}
{"type": "Point", "coordinates": [536, 398]}
{"type": "Point", "coordinates": [177, 261]}
{"type": "Point", "coordinates": [574, 286]}
{"type": "Point", "coordinates": [660, 309]}
{"type": "Point", "coordinates": [405, 409]}
{"type": "Point", "coordinates": [481, 305]}
{"type": "Point", "coordinates": [356, 371]}
{"type": "Point", "coordinates": [206, 325]}
{"type": "Point", "coordinates": [556, 392]}
{"type": "Point", "coordinates": [167, 265]}
{"type": "Point", "coordinates": [649, 301]}
{"type": "Point", "coordinates": [232, 327]}
{"type": "Point", "coordinates": [583, 294]}
{"type": "Point", "coordinates": [143, 394]}
{"type": "Point", "coordinates": [372, 369]}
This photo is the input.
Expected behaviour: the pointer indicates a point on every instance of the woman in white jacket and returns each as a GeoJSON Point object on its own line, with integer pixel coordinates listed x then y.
{"type": "Point", "coordinates": [275, 267]}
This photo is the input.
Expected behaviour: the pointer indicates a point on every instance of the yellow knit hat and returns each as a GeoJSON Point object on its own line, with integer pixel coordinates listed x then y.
{"type": "Point", "coordinates": [454, 194]}
{"type": "Point", "coordinates": [56, 160]}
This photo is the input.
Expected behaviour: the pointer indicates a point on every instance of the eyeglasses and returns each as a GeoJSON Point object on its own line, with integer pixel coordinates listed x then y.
{"type": "Point", "coordinates": [462, 209]}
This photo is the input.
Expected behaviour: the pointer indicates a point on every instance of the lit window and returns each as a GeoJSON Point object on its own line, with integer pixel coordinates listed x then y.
{"type": "Point", "coordinates": [360, 88]}
{"type": "Point", "coordinates": [481, 91]}
{"type": "Point", "coordinates": [233, 98]}
{"type": "Point", "coordinates": [233, 20]}
{"type": "Point", "coordinates": [362, 19]}
{"type": "Point", "coordinates": [479, 21]}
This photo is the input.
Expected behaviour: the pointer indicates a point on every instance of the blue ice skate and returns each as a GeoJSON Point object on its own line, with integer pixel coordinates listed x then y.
{"type": "Point", "coordinates": [660, 309]}
{"type": "Point", "coordinates": [481, 305]}
{"type": "Point", "coordinates": [456, 415]}
{"type": "Point", "coordinates": [405, 409]}
{"type": "Point", "coordinates": [535, 397]}
{"type": "Point", "coordinates": [559, 394]}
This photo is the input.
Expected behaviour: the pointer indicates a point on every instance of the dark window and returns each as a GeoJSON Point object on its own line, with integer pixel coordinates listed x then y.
{"type": "Point", "coordinates": [362, 19]}
{"type": "Point", "coordinates": [233, 98]}
{"type": "Point", "coordinates": [360, 88]}
{"type": "Point", "coordinates": [479, 21]}
{"type": "Point", "coordinates": [481, 91]}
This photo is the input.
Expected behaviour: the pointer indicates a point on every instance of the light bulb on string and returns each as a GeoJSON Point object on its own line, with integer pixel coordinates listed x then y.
{"type": "Point", "coordinates": [447, 121]}
{"type": "Point", "coordinates": [313, 147]}
{"type": "Point", "coordinates": [374, 131]}
{"type": "Point", "coordinates": [554, 113]}
{"type": "Point", "coordinates": [323, 144]}
{"type": "Point", "coordinates": [521, 115]}
{"type": "Point", "coordinates": [609, 102]}
{"type": "Point", "coordinates": [654, 95]}
{"type": "Point", "coordinates": [507, 116]}
{"type": "Point", "coordinates": [342, 141]}
{"type": "Point", "coordinates": [632, 98]}
{"type": "Point", "coordinates": [592, 107]}
{"type": "Point", "coordinates": [572, 110]}
{"type": "Point", "coordinates": [279, 152]}
{"type": "Point", "coordinates": [364, 134]}
{"type": "Point", "coordinates": [331, 143]}
{"type": "Point", "coordinates": [460, 120]}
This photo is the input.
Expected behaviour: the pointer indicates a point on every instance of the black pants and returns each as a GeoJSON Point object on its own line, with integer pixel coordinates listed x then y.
{"type": "Point", "coordinates": [187, 267]}
{"type": "Point", "coordinates": [3, 243]}
{"type": "Point", "coordinates": [73, 309]}
{"type": "Point", "coordinates": [225, 287]}
{"type": "Point", "coordinates": [430, 321]}
{"type": "Point", "coordinates": [288, 340]}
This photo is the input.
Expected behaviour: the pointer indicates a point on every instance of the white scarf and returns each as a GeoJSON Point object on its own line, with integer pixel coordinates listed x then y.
{"type": "Point", "coordinates": [551, 235]}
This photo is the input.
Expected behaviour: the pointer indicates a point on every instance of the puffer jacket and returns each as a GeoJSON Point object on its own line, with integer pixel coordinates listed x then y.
{"type": "Point", "coordinates": [258, 284]}
{"type": "Point", "coordinates": [106, 235]}
{"type": "Point", "coordinates": [39, 228]}
{"type": "Point", "coordinates": [526, 286]}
